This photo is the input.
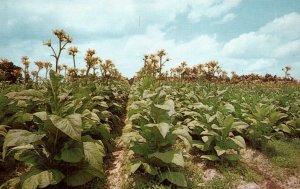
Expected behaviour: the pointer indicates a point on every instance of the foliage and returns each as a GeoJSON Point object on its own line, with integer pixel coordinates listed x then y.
{"type": "Point", "coordinates": [67, 131]}
{"type": "Point", "coordinates": [154, 135]}
{"type": "Point", "coordinates": [9, 72]}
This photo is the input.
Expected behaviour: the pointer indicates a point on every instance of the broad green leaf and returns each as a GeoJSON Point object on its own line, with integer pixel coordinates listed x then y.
{"type": "Point", "coordinates": [184, 135]}
{"type": "Point", "coordinates": [94, 153]}
{"type": "Point", "coordinates": [176, 178]}
{"type": "Point", "coordinates": [27, 156]}
{"type": "Point", "coordinates": [103, 104]}
{"type": "Point", "coordinates": [220, 117]}
{"type": "Point", "coordinates": [232, 157]}
{"type": "Point", "coordinates": [284, 128]}
{"type": "Point", "coordinates": [148, 94]}
{"type": "Point", "coordinates": [22, 104]}
{"type": "Point", "coordinates": [240, 126]}
{"type": "Point", "coordinates": [169, 157]}
{"type": "Point", "coordinates": [191, 113]}
{"type": "Point", "coordinates": [41, 115]}
{"type": "Point", "coordinates": [149, 169]}
{"type": "Point", "coordinates": [298, 122]}
{"type": "Point", "coordinates": [11, 183]}
{"type": "Point", "coordinates": [168, 105]}
{"type": "Point", "coordinates": [90, 115]}
{"type": "Point", "coordinates": [210, 118]}
{"type": "Point", "coordinates": [70, 125]}
{"type": "Point", "coordinates": [3, 130]}
{"type": "Point", "coordinates": [98, 98]}
{"type": "Point", "coordinates": [239, 141]}
{"type": "Point", "coordinates": [229, 107]}
{"type": "Point", "coordinates": [43, 179]}
{"type": "Point", "coordinates": [228, 121]}
{"type": "Point", "coordinates": [199, 105]}
{"type": "Point", "coordinates": [134, 166]}
{"type": "Point", "coordinates": [221, 92]}
{"type": "Point", "coordinates": [80, 177]}
{"type": "Point", "coordinates": [219, 150]}
{"type": "Point", "coordinates": [23, 117]}
{"type": "Point", "coordinates": [17, 137]}
{"type": "Point", "coordinates": [210, 157]}
{"type": "Point", "coordinates": [198, 144]}
{"type": "Point", "coordinates": [72, 152]}
{"type": "Point", "coordinates": [140, 148]}
{"type": "Point", "coordinates": [216, 127]}
{"type": "Point", "coordinates": [267, 137]}
{"type": "Point", "coordinates": [207, 141]}
{"type": "Point", "coordinates": [29, 94]}
{"type": "Point", "coordinates": [276, 116]}
{"type": "Point", "coordinates": [163, 129]}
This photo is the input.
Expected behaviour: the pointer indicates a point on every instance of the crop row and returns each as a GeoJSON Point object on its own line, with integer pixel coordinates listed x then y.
{"type": "Point", "coordinates": [60, 131]}
{"type": "Point", "coordinates": [166, 121]}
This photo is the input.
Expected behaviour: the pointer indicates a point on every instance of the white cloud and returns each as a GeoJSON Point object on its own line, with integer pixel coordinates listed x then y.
{"type": "Point", "coordinates": [291, 48]}
{"type": "Point", "coordinates": [247, 45]}
{"type": "Point", "coordinates": [285, 27]}
{"type": "Point", "coordinates": [295, 72]}
{"type": "Point", "coordinates": [227, 18]}
{"type": "Point", "coordinates": [211, 9]}
{"type": "Point", "coordinates": [276, 39]}
{"type": "Point", "coordinates": [131, 50]}
{"type": "Point", "coordinates": [90, 16]}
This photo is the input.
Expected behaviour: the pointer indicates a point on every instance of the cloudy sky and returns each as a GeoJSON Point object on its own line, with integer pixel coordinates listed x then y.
{"type": "Point", "coordinates": [247, 36]}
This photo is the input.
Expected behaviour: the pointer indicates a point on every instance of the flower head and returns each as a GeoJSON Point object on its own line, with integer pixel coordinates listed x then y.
{"type": "Point", "coordinates": [47, 43]}
{"type": "Point", "coordinates": [34, 73]}
{"type": "Point", "coordinates": [25, 60]}
{"type": "Point", "coordinates": [62, 35]}
{"type": "Point", "coordinates": [40, 64]}
{"type": "Point", "coordinates": [73, 51]}
{"type": "Point", "coordinates": [59, 68]}
{"type": "Point", "coordinates": [47, 65]}
{"type": "Point", "coordinates": [161, 53]}
{"type": "Point", "coordinates": [65, 66]}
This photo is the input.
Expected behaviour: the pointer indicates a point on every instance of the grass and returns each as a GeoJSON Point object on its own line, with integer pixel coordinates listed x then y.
{"type": "Point", "coordinates": [194, 174]}
{"type": "Point", "coordinates": [224, 183]}
{"type": "Point", "coordinates": [231, 174]}
{"type": "Point", "coordinates": [285, 153]}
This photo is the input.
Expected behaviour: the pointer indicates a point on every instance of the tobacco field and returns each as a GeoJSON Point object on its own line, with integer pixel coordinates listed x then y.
{"type": "Point", "coordinates": [191, 127]}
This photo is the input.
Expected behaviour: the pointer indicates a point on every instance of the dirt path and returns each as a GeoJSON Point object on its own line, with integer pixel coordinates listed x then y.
{"type": "Point", "coordinates": [116, 163]}
{"type": "Point", "coordinates": [114, 173]}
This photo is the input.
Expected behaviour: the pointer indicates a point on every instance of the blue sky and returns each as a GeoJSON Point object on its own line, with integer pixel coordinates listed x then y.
{"type": "Point", "coordinates": [247, 36]}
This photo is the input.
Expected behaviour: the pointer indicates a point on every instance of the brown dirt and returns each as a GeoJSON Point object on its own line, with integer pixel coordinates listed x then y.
{"type": "Point", "coordinates": [114, 174]}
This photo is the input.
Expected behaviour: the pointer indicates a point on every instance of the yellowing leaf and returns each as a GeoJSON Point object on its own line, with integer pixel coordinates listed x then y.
{"type": "Point", "coordinates": [70, 125]}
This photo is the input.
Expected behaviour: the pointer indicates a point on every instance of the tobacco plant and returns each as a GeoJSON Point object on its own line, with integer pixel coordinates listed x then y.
{"type": "Point", "coordinates": [154, 136]}
{"type": "Point", "coordinates": [56, 149]}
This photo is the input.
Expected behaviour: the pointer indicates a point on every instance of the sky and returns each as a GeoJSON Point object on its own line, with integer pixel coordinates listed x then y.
{"type": "Point", "coordinates": [246, 36]}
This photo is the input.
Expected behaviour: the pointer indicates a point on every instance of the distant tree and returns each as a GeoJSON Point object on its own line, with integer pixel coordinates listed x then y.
{"type": "Point", "coordinates": [9, 72]}
{"type": "Point", "coordinates": [64, 39]}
